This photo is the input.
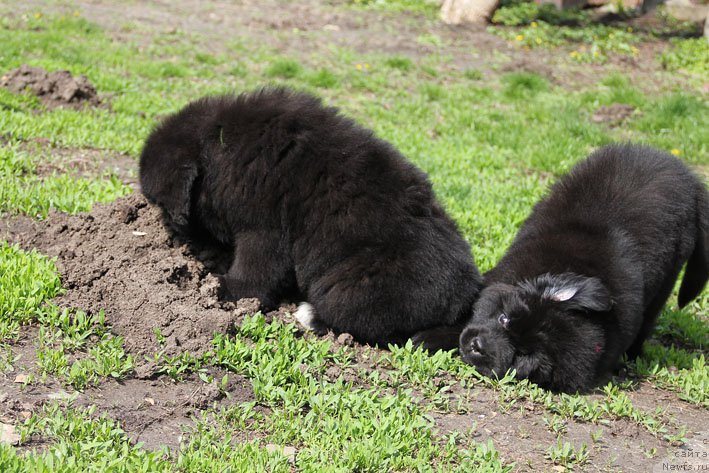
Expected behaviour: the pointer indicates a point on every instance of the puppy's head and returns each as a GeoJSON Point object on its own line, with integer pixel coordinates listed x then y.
{"type": "Point", "coordinates": [169, 162]}
{"type": "Point", "coordinates": [542, 328]}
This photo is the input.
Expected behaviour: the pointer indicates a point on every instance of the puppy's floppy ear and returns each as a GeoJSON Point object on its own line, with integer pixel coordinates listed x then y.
{"type": "Point", "coordinates": [176, 199]}
{"type": "Point", "coordinates": [576, 292]}
{"type": "Point", "coordinates": [166, 178]}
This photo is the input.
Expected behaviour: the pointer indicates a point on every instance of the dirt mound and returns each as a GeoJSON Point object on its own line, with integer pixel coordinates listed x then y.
{"type": "Point", "coordinates": [613, 115]}
{"type": "Point", "coordinates": [120, 258]}
{"type": "Point", "coordinates": [53, 88]}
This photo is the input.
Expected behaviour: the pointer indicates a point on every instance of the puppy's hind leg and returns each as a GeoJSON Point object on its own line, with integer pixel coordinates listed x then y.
{"type": "Point", "coordinates": [262, 268]}
{"type": "Point", "coordinates": [652, 311]}
{"type": "Point", "coordinates": [697, 272]}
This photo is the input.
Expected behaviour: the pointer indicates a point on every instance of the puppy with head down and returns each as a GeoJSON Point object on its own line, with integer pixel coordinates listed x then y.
{"type": "Point", "coordinates": [591, 268]}
{"type": "Point", "coordinates": [315, 205]}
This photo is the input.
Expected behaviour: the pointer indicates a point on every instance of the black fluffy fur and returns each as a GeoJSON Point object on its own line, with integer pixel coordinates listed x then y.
{"type": "Point", "coordinates": [311, 204]}
{"type": "Point", "coordinates": [591, 268]}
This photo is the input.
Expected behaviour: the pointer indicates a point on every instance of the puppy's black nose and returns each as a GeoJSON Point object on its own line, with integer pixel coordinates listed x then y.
{"type": "Point", "coordinates": [476, 345]}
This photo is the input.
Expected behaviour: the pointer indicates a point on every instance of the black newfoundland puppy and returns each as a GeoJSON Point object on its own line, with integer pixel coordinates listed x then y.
{"type": "Point", "coordinates": [591, 269]}
{"type": "Point", "coordinates": [311, 204]}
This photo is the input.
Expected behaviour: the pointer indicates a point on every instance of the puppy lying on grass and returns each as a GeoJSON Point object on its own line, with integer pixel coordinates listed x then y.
{"type": "Point", "coordinates": [315, 205]}
{"type": "Point", "coordinates": [590, 270]}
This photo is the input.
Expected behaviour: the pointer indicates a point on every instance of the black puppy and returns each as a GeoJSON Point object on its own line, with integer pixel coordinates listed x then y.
{"type": "Point", "coordinates": [313, 204]}
{"type": "Point", "coordinates": [591, 268]}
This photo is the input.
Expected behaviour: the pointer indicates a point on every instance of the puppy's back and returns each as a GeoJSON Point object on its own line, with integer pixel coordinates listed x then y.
{"type": "Point", "coordinates": [626, 184]}
{"type": "Point", "coordinates": [645, 194]}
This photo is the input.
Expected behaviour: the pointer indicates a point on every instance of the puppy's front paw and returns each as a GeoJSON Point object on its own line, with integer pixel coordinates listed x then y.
{"type": "Point", "coordinates": [223, 292]}
{"type": "Point", "coordinates": [444, 337]}
{"type": "Point", "coordinates": [232, 290]}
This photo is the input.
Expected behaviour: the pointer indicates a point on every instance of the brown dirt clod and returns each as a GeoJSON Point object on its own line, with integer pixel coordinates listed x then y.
{"type": "Point", "coordinates": [54, 88]}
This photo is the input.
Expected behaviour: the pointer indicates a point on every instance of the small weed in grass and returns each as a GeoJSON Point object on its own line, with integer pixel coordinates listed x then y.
{"type": "Point", "coordinates": [7, 358]}
{"type": "Point", "coordinates": [566, 455]}
{"type": "Point", "coordinates": [432, 91]}
{"type": "Point", "coordinates": [430, 39]}
{"type": "Point", "coordinates": [209, 59]}
{"type": "Point", "coordinates": [177, 366]}
{"type": "Point", "coordinates": [164, 70]}
{"type": "Point", "coordinates": [323, 78]}
{"type": "Point", "coordinates": [27, 283]}
{"type": "Point", "coordinates": [597, 436]}
{"type": "Point", "coordinates": [665, 113]}
{"type": "Point", "coordinates": [473, 74]}
{"type": "Point", "coordinates": [429, 70]}
{"type": "Point", "coordinates": [238, 70]}
{"type": "Point", "coordinates": [284, 68]}
{"type": "Point", "coordinates": [17, 102]}
{"type": "Point", "coordinates": [399, 62]}
{"type": "Point", "coordinates": [521, 85]}
{"type": "Point", "coordinates": [519, 14]}
{"type": "Point", "coordinates": [555, 424]}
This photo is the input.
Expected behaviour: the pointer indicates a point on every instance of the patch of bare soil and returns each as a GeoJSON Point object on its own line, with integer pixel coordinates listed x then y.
{"type": "Point", "coordinates": [55, 89]}
{"type": "Point", "coordinates": [119, 258]}
{"type": "Point", "coordinates": [521, 433]}
{"type": "Point", "coordinates": [540, 68]}
{"type": "Point", "coordinates": [87, 162]}
{"type": "Point", "coordinates": [159, 412]}
{"type": "Point", "coordinates": [78, 162]}
{"type": "Point", "coordinates": [612, 115]}
{"type": "Point", "coordinates": [155, 411]}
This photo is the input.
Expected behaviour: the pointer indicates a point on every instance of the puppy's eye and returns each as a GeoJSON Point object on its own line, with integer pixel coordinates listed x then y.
{"type": "Point", "coordinates": [504, 320]}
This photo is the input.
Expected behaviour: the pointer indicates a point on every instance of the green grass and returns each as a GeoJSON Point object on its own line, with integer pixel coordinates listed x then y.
{"type": "Point", "coordinates": [25, 192]}
{"type": "Point", "coordinates": [428, 8]}
{"type": "Point", "coordinates": [545, 26]}
{"type": "Point", "coordinates": [400, 62]}
{"type": "Point", "coordinates": [284, 68]}
{"type": "Point", "coordinates": [591, 44]}
{"type": "Point", "coordinates": [566, 455]}
{"type": "Point", "coordinates": [84, 339]}
{"type": "Point", "coordinates": [27, 281]}
{"type": "Point", "coordinates": [688, 55]}
{"type": "Point", "coordinates": [491, 144]}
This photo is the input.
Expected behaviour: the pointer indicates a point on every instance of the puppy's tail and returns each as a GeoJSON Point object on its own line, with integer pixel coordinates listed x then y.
{"type": "Point", "coordinates": [697, 270]}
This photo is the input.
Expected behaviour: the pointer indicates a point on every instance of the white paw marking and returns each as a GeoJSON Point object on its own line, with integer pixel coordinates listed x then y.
{"type": "Point", "coordinates": [305, 315]}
